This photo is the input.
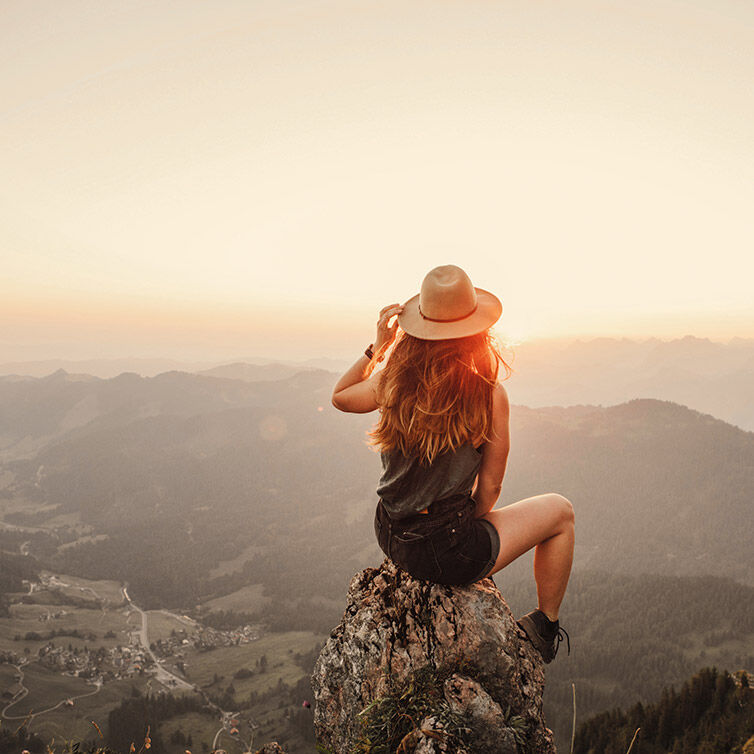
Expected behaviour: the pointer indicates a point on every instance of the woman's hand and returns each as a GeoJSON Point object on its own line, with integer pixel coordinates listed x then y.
{"type": "Point", "coordinates": [386, 335]}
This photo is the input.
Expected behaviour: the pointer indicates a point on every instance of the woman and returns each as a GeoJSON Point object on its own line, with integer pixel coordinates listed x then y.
{"type": "Point", "coordinates": [443, 435]}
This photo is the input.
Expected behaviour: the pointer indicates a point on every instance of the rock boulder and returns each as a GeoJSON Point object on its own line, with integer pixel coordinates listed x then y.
{"type": "Point", "coordinates": [432, 668]}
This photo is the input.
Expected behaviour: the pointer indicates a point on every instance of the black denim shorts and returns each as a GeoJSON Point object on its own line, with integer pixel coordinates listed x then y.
{"type": "Point", "coordinates": [447, 545]}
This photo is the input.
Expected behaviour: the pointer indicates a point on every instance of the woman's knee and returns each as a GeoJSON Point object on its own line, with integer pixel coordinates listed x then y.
{"type": "Point", "coordinates": [564, 509]}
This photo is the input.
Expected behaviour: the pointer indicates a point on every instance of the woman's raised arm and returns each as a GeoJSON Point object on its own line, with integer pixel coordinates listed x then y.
{"type": "Point", "coordinates": [356, 391]}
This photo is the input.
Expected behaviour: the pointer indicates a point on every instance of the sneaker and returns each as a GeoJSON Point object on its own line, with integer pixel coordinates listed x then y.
{"type": "Point", "coordinates": [544, 634]}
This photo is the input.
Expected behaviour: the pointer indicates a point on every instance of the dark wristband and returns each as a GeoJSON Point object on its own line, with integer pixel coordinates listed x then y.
{"type": "Point", "coordinates": [369, 353]}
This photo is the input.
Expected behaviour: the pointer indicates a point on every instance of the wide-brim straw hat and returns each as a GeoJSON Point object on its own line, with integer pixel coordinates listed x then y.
{"type": "Point", "coordinates": [449, 306]}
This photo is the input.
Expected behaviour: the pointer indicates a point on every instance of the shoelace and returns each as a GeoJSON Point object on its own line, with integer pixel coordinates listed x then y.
{"type": "Point", "coordinates": [559, 637]}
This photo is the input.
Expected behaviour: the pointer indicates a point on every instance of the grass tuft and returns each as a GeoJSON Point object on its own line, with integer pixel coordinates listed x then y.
{"type": "Point", "coordinates": [391, 723]}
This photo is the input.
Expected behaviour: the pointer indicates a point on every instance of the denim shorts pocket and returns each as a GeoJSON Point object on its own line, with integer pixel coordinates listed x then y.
{"type": "Point", "coordinates": [414, 553]}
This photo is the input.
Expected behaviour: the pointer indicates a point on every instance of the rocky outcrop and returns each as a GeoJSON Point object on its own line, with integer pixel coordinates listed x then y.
{"type": "Point", "coordinates": [428, 668]}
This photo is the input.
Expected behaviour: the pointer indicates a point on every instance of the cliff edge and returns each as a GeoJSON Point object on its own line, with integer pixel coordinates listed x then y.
{"type": "Point", "coordinates": [421, 668]}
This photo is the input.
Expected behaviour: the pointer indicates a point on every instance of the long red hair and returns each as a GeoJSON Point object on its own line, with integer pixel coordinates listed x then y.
{"type": "Point", "coordinates": [436, 395]}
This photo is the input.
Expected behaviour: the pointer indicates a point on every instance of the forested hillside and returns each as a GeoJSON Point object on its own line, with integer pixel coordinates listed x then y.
{"type": "Point", "coordinates": [631, 636]}
{"type": "Point", "coordinates": [258, 468]}
{"type": "Point", "coordinates": [713, 713]}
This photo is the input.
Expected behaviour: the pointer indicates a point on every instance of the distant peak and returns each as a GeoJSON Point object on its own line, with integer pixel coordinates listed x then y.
{"type": "Point", "coordinates": [128, 376]}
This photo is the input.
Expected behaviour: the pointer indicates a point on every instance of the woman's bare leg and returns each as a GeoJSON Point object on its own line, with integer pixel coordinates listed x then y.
{"type": "Point", "coordinates": [547, 523]}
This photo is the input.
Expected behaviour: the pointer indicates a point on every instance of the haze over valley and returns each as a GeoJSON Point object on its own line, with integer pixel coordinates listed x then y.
{"type": "Point", "coordinates": [238, 501]}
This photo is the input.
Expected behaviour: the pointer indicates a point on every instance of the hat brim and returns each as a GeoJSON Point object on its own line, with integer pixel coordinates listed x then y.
{"type": "Point", "coordinates": [488, 311]}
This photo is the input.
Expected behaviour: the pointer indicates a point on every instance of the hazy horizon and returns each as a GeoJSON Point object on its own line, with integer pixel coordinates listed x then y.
{"type": "Point", "coordinates": [339, 357]}
{"type": "Point", "coordinates": [200, 180]}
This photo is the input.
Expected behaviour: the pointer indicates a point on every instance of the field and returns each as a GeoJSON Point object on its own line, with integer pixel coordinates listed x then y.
{"type": "Point", "coordinates": [225, 661]}
{"type": "Point", "coordinates": [225, 567]}
{"type": "Point", "coordinates": [245, 600]}
{"type": "Point", "coordinates": [161, 623]}
{"type": "Point", "coordinates": [85, 539]}
{"type": "Point", "coordinates": [73, 586]}
{"type": "Point", "coordinates": [46, 689]}
{"type": "Point", "coordinates": [19, 504]}
{"type": "Point", "coordinates": [25, 619]}
{"type": "Point", "coordinates": [74, 723]}
{"type": "Point", "coordinates": [8, 675]}
{"type": "Point", "coordinates": [71, 519]}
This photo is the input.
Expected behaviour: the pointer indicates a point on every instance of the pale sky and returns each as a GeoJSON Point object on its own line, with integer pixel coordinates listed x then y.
{"type": "Point", "coordinates": [208, 179]}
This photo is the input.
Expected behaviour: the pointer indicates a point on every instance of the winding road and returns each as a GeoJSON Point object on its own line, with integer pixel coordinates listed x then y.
{"type": "Point", "coordinates": [31, 715]}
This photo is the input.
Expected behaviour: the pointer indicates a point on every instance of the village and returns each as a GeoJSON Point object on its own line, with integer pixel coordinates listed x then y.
{"type": "Point", "coordinates": [78, 652]}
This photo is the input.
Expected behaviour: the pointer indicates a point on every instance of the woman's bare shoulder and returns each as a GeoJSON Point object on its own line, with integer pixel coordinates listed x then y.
{"type": "Point", "coordinates": [500, 396]}
{"type": "Point", "coordinates": [500, 408]}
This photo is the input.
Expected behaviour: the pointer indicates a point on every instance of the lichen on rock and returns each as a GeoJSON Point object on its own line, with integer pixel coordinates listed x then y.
{"type": "Point", "coordinates": [429, 668]}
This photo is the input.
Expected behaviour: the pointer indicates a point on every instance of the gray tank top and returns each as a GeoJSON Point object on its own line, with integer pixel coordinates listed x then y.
{"type": "Point", "coordinates": [406, 487]}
